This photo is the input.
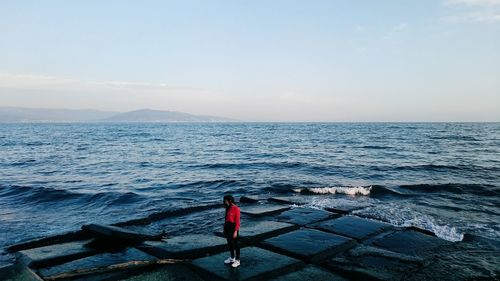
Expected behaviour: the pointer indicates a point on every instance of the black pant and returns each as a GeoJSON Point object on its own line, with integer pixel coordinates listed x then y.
{"type": "Point", "coordinates": [233, 243]}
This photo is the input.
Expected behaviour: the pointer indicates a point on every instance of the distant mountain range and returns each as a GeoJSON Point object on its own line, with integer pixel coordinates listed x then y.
{"type": "Point", "coordinates": [18, 114]}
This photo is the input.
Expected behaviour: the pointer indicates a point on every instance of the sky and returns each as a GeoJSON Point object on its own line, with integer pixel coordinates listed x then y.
{"type": "Point", "coordinates": [256, 60]}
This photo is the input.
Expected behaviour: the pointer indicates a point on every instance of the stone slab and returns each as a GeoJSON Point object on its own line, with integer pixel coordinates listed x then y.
{"type": "Point", "coordinates": [256, 264]}
{"type": "Point", "coordinates": [96, 261]}
{"type": "Point", "coordinates": [166, 273]}
{"type": "Point", "coordinates": [303, 216]}
{"type": "Point", "coordinates": [50, 240]}
{"type": "Point", "coordinates": [186, 246]}
{"type": "Point", "coordinates": [310, 245]}
{"type": "Point", "coordinates": [249, 199]}
{"type": "Point", "coordinates": [253, 231]}
{"type": "Point", "coordinates": [409, 242]}
{"type": "Point", "coordinates": [289, 200]}
{"type": "Point", "coordinates": [55, 254]}
{"type": "Point", "coordinates": [119, 233]}
{"type": "Point", "coordinates": [353, 227]}
{"type": "Point", "coordinates": [18, 272]}
{"type": "Point", "coordinates": [370, 263]}
{"type": "Point", "coordinates": [310, 272]}
{"type": "Point", "coordinates": [263, 210]}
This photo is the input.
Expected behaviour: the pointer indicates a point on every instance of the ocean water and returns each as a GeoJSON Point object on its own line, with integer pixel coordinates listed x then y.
{"type": "Point", "coordinates": [444, 177]}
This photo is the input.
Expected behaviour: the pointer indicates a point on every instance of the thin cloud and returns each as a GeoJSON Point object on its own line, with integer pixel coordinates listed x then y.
{"type": "Point", "coordinates": [400, 27]}
{"type": "Point", "coordinates": [483, 3]}
{"type": "Point", "coordinates": [474, 11]}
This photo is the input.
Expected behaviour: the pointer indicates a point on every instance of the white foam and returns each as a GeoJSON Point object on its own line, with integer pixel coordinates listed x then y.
{"type": "Point", "coordinates": [357, 190]}
{"type": "Point", "coordinates": [402, 216]}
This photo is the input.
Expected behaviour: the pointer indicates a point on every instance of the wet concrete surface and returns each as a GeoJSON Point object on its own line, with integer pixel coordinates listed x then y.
{"type": "Point", "coordinates": [353, 227]}
{"type": "Point", "coordinates": [18, 272]}
{"type": "Point", "coordinates": [97, 261]}
{"type": "Point", "coordinates": [257, 264]}
{"type": "Point", "coordinates": [262, 209]}
{"type": "Point", "coordinates": [186, 246]}
{"type": "Point", "coordinates": [305, 216]}
{"type": "Point", "coordinates": [55, 254]}
{"type": "Point", "coordinates": [310, 245]}
{"type": "Point", "coordinates": [310, 272]}
{"type": "Point", "coordinates": [410, 242]}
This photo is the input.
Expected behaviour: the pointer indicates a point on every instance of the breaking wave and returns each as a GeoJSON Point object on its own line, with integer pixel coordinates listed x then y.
{"type": "Point", "coordinates": [402, 216]}
{"type": "Point", "coordinates": [358, 190]}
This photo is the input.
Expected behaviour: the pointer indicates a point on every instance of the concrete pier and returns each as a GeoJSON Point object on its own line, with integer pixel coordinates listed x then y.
{"type": "Point", "coordinates": [281, 240]}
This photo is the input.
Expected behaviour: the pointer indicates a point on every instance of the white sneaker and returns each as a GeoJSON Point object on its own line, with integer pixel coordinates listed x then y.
{"type": "Point", "coordinates": [236, 263]}
{"type": "Point", "coordinates": [229, 260]}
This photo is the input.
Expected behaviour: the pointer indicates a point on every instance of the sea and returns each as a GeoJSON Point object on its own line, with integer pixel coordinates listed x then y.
{"type": "Point", "coordinates": [55, 177]}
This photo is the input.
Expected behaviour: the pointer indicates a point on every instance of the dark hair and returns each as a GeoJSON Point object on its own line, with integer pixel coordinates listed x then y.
{"type": "Point", "coordinates": [229, 198]}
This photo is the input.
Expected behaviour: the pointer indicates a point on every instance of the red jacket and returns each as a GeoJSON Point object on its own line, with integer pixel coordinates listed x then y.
{"type": "Point", "coordinates": [233, 216]}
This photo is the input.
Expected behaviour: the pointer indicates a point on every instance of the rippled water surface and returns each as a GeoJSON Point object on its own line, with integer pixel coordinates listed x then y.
{"type": "Point", "coordinates": [444, 177]}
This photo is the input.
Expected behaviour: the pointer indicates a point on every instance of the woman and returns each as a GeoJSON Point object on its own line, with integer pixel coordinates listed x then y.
{"type": "Point", "coordinates": [231, 230]}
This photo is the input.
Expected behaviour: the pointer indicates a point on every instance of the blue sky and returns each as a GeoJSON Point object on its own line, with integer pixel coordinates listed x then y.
{"type": "Point", "coordinates": [257, 60]}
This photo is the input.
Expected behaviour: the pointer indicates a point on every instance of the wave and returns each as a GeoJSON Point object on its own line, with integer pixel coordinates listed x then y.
{"type": "Point", "coordinates": [402, 216]}
{"type": "Point", "coordinates": [358, 190]}
{"type": "Point", "coordinates": [372, 191]}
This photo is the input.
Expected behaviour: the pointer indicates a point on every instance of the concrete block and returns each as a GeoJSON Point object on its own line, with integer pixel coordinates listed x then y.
{"type": "Point", "coordinates": [310, 272]}
{"type": "Point", "coordinates": [310, 245]}
{"type": "Point", "coordinates": [166, 273]}
{"type": "Point", "coordinates": [249, 199]}
{"type": "Point", "coordinates": [409, 242]}
{"type": "Point", "coordinates": [353, 227]}
{"type": "Point", "coordinates": [304, 216]}
{"type": "Point", "coordinates": [119, 234]}
{"type": "Point", "coordinates": [93, 262]}
{"type": "Point", "coordinates": [18, 272]}
{"type": "Point", "coordinates": [256, 264]}
{"type": "Point", "coordinates": [253, 231]}
{"type": "Point", "coordinates": [289, 200]}
{"type": "Point", "coordinates": [55, 254]}
{"type": "Point", "coordinates": [263, 210]}
{"type": "Point", "coordinates": [370, 263]}
{"type": "Point", "coordinates": [186, 246]}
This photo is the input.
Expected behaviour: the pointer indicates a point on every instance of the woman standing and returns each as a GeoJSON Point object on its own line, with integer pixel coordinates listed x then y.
{"type": "Point", "coordinates": [231, 230]}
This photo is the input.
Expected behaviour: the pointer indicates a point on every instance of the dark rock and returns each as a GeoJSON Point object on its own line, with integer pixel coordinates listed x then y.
{"type": "Point", "coordinates": [119, 234]}
{"type": "Point", "coordinates": [186, 246]}
{"type": "Point", "coordinates": [370, 263]}
{"type": "Point", "coordinates": [303, 216]}
{"type": "Point", "coordinates": [409, 242]}
{"type": "Point", "coordinates": [263, 210]}
{"type": "Point", "coordinates": [85, 265]}
{"type": "Point", "coordinates": [342, 209]}
{"type": "Point", "coordinates": [308, 244]}
{"type": "Point", "coordinates": [353, 227]}
{"type": "Point", "coordinates": [310, 272]}
{"type": "Point", "coordinates": [256, 264]}
{"type": "Point", "coordinates": [55, 254]}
